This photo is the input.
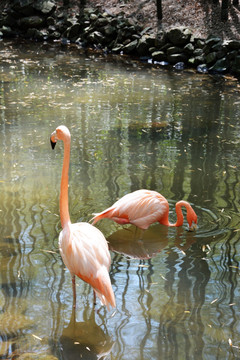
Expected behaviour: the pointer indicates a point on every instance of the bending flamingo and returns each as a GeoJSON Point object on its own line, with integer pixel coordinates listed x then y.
{"type": "Point", "coordinates": [83, 247]}
{"type": "Point", "coordinates": [145, 207]}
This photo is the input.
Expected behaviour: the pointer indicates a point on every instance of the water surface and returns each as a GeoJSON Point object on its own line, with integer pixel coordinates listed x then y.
{"type": "Point", "coordinates": [133, 126]}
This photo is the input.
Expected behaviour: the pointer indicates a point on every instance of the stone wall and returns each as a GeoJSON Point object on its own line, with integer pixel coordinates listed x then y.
{"type": "Point", "coordinates": [41, 20]}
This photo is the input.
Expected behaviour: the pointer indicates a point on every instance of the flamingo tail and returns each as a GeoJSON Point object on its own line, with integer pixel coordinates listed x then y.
{"type": "Point", "coordinates": [99, 216]}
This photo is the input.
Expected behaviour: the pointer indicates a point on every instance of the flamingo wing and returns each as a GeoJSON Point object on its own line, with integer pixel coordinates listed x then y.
{"type": "Point", "coordinates": [85, 253]}
{"type": "Point", "coordinates": [141, 208]}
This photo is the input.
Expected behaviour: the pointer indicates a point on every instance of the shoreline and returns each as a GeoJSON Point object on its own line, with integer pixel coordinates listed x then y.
{"type": "Point", "coordinates": [112, 33]}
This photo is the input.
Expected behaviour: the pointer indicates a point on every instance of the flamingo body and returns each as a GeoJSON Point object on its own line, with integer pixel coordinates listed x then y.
{"type": "Point", "coordinates": [83, 247]}
{"type": "Point", "coordinates": [143, 208]}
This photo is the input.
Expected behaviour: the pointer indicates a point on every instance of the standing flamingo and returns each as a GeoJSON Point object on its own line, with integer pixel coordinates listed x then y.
{"type": "Point", "coordinates": [83, 247]}
{"type": "Point", "coordinates": [143, 208]}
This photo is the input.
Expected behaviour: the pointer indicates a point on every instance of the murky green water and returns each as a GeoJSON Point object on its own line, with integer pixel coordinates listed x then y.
{"type": "Point", "coordinates": [132, 127]}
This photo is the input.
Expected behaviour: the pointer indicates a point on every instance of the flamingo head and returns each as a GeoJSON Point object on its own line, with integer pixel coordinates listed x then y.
{"type": "Point", "coordinates": [61, 133]}
{"type": "Point", "coordinates": [191, 219]}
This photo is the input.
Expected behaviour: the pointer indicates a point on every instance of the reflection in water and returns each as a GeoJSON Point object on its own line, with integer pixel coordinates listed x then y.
{"type": "Point", "coordinates": [135, 244]}
{"type": "Point", "coordinates": [180, 323]}
{"type": "Point", "coordinates": [180, 306]}
{"type": "Point", "coordinates": [85, 339]}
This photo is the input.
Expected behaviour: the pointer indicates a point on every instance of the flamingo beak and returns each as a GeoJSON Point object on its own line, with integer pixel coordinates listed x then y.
{"type": "Point", "coordinates": [193, 227]}
{"type": "Point", "coordinates": [53, 143]}
{"type": "Point", "coordinates": [53, 139]}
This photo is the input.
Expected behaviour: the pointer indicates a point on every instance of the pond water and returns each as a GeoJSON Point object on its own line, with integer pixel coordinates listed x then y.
{"type": "Point", "coordinates": [133, 126]}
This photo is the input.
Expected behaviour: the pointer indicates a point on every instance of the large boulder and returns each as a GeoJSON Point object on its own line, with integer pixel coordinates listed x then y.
{"type": "Point", "coordinates": [179, 36]}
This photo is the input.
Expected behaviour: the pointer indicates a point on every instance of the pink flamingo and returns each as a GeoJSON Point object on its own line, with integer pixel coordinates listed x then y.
{"type": "Point", "coordinates": [143, 208]}
{"type": "Point", "coordinates": [83, 247]}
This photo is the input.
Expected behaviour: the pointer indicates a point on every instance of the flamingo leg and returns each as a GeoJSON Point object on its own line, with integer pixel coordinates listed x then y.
{"type": "Point", "coordinates": [74, 291]}
{"type": "Point", "coordinates": [94, 299]}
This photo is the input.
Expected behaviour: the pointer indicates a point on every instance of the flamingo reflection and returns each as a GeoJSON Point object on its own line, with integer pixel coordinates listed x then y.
{"type": "Point", "coordinates": [135, 244]}
{"type": "Point", "coordinates": [85, 339]}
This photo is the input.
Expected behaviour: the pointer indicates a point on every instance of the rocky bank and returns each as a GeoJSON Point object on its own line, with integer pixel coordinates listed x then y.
{"type": "Point", "coordinates": [92, 27]}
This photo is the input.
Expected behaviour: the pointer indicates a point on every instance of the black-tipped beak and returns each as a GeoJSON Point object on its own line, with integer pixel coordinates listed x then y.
{"type": "Point", "coordinates": [52, 143]}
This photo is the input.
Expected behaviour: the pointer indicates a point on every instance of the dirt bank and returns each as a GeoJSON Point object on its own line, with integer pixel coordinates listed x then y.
{"type": "Point", "coordinates": [202, 16]}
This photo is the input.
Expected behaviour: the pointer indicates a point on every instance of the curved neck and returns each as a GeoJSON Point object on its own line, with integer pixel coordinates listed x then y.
{"type": "Point", "coordinates": [64, 212]}
{"type": "Point", "coordinates": [179, 213]}
{"type": "Point", "coordinates": [179, 222]}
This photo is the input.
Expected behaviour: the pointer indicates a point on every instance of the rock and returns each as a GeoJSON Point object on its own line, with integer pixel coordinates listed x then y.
{"type": "Point", "coordinates": [109, 31]}
{"type": "Point", "coordinates": [217, 47]}
{"type": "Point", "coordinates": [232, 55]}
{"type": "Point", "coordinates": [220, 66]}
{"type": "Point", "coordinates": [131, 47]}
{"type": "Point", "coordinates": [174, 50]}
{"type": "Point", "coordinates": [30, 22]}
{"type": "Point", "coordinates": [189, 49]}
{"type": "Point", "coordinates": [36, 34]}
{"type": "Point", "coordinates": [24, 7]}
{"type": "Point", "coordinates": [161, 39]}
{"type": "Point", "coordinates": [175, 58]}
{"type": "Point", "coordinates": [117, 48]}
{"type": "Point", "coordinates": [10, 19]}
{"type": "Point", "coordinates": [212, 40]}
{"type": "Point", "coordinates": [221, 53]}
{"type": "Point", "coordinates": [165, 47]}
{"type": "Point", "coordinates": [211, 58]}
{"type": "Point", "coordinates": [159, 56]}
{"type": "Point", "coordinates": [179, 36]}
{"type": "Point", "coordinates": [71, 21]}
{"type": "Point", "coordinates": [236, 65]}
{"type": "Point", "coordinates": [101, 21]}
{"type": "Point", "coordinates": [45, 7]}
{"type": "Point", "coordinates": [93, 17]}
{"type": "Point", "coordinates": [146, 30]}
{"type": "Point", "coordinates": [144, 44]}
{"type": "Point", "coordinates": [50, 21]}
{"type": "Point", "coordinates": [200, 43]}
{"type": "Point", "coordinates": [96, 37]}
{"type": "Point", "coordinates": [198, 52]}
{"type": "Point", "coordinates": [72, 33]}
{"type": "Point", "coordinates": [197, 60]}
{"type": "Point", "coordinates": [7, 31]}
{"type": "Point", "coordinates": [54, 35]}
{"type": "Point", "coordinates": [230, 45]}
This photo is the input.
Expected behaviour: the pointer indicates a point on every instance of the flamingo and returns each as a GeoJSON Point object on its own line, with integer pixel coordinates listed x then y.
{"type": "Point", "coordinates": [145, 207]}
{"type": "Point", "coordinates": [83, 247]}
